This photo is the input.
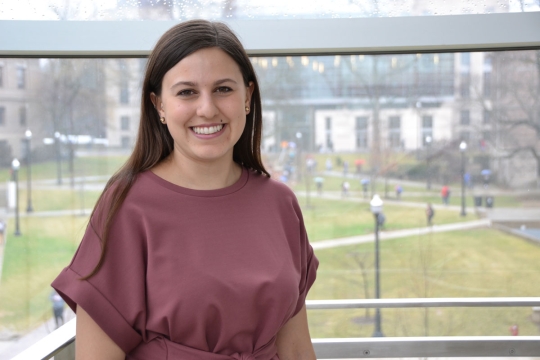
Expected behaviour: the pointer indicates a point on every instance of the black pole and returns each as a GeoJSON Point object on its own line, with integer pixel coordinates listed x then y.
{"type": "Point", "coordinates": [428, 173]}
{"type": "Point", "coordinates": [58, 161]}
{"type": "Point", "coordinates": [29, 207]}
{"type": "Point", "coordinates": [16, 178]}
{"type": "Point", "coordinates": [463, 212]}
{"type": "Point", "coordinates": [378, 331]}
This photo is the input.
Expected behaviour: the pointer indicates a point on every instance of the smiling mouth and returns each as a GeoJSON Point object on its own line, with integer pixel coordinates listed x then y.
{"type": "Point", "coordinates": [207, 130]}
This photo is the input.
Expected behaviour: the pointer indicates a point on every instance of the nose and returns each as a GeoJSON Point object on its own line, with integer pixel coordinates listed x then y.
{"type": "Point", "coordinates": [206, 107]}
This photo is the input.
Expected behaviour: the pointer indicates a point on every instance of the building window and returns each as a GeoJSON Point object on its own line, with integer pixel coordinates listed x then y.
{"type": "Point", "coordinates": [361, 132]}
{"type": "Point", "coordinates": [2, 116]}
{"type": "Point", "coordinates": [328, 127]}
{"type": "Point", "coordinates": [487, 116]}
{"type": "Point", "coordinates": [465, 117]}
{"type": "Point", "coordinates": [394, 131]}
{"type": "Point", "coordinates": [21, 77]}
{"type": "Point", "coordinates": [124, 92]}
{"type": "Point", "coordinates": [124, 123]}
{"type": "Point", "coordinates": [22, 116]}
{"type": "Point", "coordinates": [487, 84]}
{"type": "Point", "coordinates": [1, 76]}
{"type": "Point", "coordinates": [427, 128]}
{"type": "Point", "coordinates": [126, 142]}
{"type": "Point", "coordinates": [465, 84]}
{"type": "Point", "coordinates": [466, 59]}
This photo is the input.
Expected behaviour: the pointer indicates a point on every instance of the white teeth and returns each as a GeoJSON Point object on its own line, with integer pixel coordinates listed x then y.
{"type": "Point", "coordinates": [207, 130]}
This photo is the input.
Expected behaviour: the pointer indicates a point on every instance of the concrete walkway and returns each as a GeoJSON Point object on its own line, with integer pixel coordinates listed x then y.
{"type": "Point", "coordinates": [386, 235]}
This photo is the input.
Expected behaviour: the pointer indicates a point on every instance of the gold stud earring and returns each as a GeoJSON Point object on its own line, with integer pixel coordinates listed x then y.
{"type": "Point", "coordinates": [247, 109]}
{"type": "Point", "coordinates": [162, 119]}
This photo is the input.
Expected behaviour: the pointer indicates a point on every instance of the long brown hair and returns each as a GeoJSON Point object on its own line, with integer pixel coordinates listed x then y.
{"type": "Point", "coordinates": [154, 142]}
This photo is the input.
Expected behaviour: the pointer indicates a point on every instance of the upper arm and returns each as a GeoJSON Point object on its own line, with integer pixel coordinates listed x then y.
{"type": "Point", "coordinates": [293, 340]}
{"type": "Point", "coordinates": [92, 342]}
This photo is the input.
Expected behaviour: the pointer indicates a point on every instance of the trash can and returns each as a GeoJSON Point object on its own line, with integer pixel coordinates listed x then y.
{"type": "Point", "coordinates": [489, 201]}
{"type": "Point", "coordinates": [477, 201]}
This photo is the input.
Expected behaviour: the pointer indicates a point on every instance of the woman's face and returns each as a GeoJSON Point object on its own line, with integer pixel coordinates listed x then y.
{"type": "Point", "coordinates": [203, 100]}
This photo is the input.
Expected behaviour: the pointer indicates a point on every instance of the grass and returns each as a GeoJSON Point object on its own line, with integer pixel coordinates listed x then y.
{"type": "Point", "coordinates": [472, 263]}
{"type": "Point", "coordinates": [83, 166]}
{"type": "Point", "coordinates": [328, 219]}
{"type": "Point", "coordinates": [31, 262]}
{"type": "Point", "coordinates": [62, 199]}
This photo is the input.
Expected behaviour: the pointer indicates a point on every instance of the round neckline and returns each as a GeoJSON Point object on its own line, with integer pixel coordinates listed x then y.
{"type": "Point", "coordinates": [239, 184]}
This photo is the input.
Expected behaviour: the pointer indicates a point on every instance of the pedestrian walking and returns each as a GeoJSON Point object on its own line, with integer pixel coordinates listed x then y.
{"type": "Point", "coordinates": [58, 308]}
{"type": "Point", "coordinates": [430, 213]}
{"type": "Point", "coordinates": [399, 190]}
{"type": "Point", "coordinates": [445, 194]}
{"type": "Point", "coordinates": [345, 189]}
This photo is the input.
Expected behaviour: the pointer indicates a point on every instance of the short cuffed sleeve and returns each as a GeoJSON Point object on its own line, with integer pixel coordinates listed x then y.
{"type": "Point", "coordinates": [115, 296]}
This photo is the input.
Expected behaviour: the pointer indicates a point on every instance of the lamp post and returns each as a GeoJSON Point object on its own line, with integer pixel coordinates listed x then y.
{"type": "Point", "coordinates": [299, 156]}
{"type": "Point", "coordinates": [428, 173]}
{"type": "Point", "coordinates": [462, 149]}
{"type": "Point", "coordinates": [28, 136]}
{"type": "Point", "coordinates": [376, 208]}
{"type": "Point", "coordinates": [58, 158]}
{"type": "Point", "coordinates": [15, 165]}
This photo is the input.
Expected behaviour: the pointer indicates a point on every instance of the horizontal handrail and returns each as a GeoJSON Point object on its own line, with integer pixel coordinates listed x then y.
{"type": "Point", "coordinates": [418, 347]}
{"type": "Point", "coordinates": [51, 344]}
{"type": "Point", "coordinates": [422, 302]}
{"type": "Point", "coordinates": [391, 347]}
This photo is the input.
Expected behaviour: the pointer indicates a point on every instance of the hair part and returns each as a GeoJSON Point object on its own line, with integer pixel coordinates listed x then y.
{"type": "Point", "coordinates": [154, 142]}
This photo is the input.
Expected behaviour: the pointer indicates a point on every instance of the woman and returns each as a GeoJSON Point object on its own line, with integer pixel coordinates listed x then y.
{"type": "Point", "coordinates": [192, 251]}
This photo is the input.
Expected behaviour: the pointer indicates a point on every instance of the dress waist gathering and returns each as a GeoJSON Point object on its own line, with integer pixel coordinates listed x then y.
{"type": "Point", "coordinates": [165, 349]}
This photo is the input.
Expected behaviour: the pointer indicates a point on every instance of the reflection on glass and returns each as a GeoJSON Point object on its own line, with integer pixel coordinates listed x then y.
{"type": "Point", "coordinates": [337, 130]}
{"type": "Point", "coordinates": [252, 9]}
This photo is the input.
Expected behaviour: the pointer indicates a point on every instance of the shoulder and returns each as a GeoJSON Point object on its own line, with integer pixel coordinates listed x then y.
{"type": "Point", "coordinates": [262, 183]}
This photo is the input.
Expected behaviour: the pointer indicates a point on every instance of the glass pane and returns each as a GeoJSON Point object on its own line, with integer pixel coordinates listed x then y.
{"type": "Point", "coordinates": [337, 130]}
{"type": "Point", "coordinates": [243, 9]}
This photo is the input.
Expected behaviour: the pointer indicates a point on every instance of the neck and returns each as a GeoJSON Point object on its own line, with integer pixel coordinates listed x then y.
{"type": "Point", "coordinates": [198, 175]}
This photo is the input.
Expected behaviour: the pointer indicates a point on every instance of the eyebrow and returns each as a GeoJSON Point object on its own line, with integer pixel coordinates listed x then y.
{"type": "Point", "coordinates": [189, 83]}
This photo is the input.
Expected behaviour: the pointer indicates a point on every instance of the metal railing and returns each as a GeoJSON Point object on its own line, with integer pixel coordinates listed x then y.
{"type": "Point", "coordinates": [61, 343]}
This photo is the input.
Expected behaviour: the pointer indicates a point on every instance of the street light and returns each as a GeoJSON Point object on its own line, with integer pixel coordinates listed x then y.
{"type": "Point", "coordinates": [58, 158]}
{"type": "Point", "coordinates": [376, 208]}
{"type": "Point", "coordinates": [299, 156]}
{"type": "Point", "coordinates": [462, 149]}
{"type": "Point", "coordinates": [28, 136]}
{"type": "Point", "coordinates": [428, 174]}
{"type": "Point", "coordinates": [15, 165]}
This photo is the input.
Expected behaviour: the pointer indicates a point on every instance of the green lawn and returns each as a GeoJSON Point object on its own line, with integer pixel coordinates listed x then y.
{"type": "Point", "coordinates": [31, 262]}
{"type": "Point", "coordinates": [328, 219]}
{"type": "Point", "coordinates": [61, 199]}
{"type": "Point", "coordinates": [472, 263]}
{"type": "Point", "coordinates": [83, 166]}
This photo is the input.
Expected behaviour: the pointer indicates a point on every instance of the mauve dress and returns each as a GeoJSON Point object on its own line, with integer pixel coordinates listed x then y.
{"type": "Point", "coordinates": [196, 275]}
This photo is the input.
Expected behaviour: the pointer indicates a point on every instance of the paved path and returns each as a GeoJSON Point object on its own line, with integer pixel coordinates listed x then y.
{"type": "Point", "coordinates": [385, 235]}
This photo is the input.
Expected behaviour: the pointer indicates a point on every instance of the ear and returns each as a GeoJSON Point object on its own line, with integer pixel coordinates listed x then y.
{"type": "Point", "coordinates": [249, 93]}
{"type": "Point", "coordinates": [156, 100]}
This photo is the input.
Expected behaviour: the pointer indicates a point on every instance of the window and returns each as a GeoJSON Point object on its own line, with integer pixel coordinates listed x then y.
{"type": "Point", "coordinates": [2, 116]}
{"type": "Point", "coordinates": [21, 77]}
{"type": "Point", "coordinates": [22, 116]}
{"type": "Point", "coordinates": [465, 59]}
{"type": "Point", "coordinates": [126, 142]}
{"type": "Point", "coordinates": [394, 131]}
{"type": "Point", "coordinates": [464, 117]}
{"type": "Point", "coordinates": [124, 123]}
{"type": "Point", "coordinates": [1, 76]}
{"type": "Point", "coordinates": [465, 85]}
{"type": "Point", "coordinates": [487, 117]}
{"type": "Point", "coordinates": [427, 129]}
{"type": "Point", "coordinates": [361, 132]}
{"type": "Point", "coordinates": [328, 127]}
{"type": "Point", "coordinates": [124, 92]}
{"type": "Point", "coordinates": [487, 84]}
